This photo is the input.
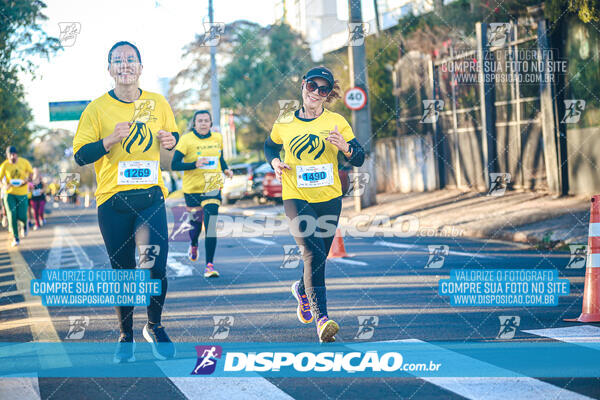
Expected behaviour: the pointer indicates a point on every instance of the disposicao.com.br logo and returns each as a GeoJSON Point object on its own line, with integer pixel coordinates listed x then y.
{"type": "Point", "coordinates": [326, 361]}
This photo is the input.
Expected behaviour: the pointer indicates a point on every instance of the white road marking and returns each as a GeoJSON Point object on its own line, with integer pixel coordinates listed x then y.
{"type": "Point", "coordinates": [351, 262]}
{"type": "Point", "coordinates": [40, 322]}
{"type": "Point", "coordinates": [396, 245]}
{"type": "Point", "coordinates": [425, 249]}
{"type": "Point", "coordinates": [262, 241]}
{"type": "Point", "coordinates": [177, 254]}
{"type": "Point", "coordinates": [472, 255]}
{"type": "Point", "coordinates": [20, 388]}
{"type": "Point", "coordinates": [229, 388]}
{"type": "Point", "coordinates": [179, 269]}
{"type": "Point", "coordinates": [580, 334]}
{"type": "Point", "coordinates": [518, 388]}
{"type": "Point", "coordinates": [65, 252]}
{"type": "Point", "coordinates": [514, 388]}
{"type": "Point", "coordinates": [249, 213]}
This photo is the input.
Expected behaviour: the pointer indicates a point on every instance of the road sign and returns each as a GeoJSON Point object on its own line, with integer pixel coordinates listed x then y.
{"type": "Point", "coordinates": [355, 98]}
{"type": "Point", "coordinates": [67, 110]}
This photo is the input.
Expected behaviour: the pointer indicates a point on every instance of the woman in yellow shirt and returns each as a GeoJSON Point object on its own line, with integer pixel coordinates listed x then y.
{"type": "Point", "coordinates": [200, 155]}
{"type": "Point", "coordinates": [312, 194]}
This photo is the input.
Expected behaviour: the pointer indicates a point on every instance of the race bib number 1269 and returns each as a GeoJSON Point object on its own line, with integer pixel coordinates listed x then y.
{"type": "Point", "coordinates": [139, 172]}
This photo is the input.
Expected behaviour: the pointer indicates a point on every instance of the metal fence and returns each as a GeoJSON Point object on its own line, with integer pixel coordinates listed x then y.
{"type": "Point", "coordinates": [483, 124]}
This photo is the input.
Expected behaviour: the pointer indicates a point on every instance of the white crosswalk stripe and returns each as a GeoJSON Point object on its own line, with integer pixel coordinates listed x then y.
{"type": "Point", "coordinates": [229, 388]}
{"type": "Point", "coordinates": [514, 388]}
{"type": "Point", "coordinates": [22, 388]}
{"type": "Point", "coordinates": [65, 252]}
{"type": "Point", "coordinates": [579, 334]}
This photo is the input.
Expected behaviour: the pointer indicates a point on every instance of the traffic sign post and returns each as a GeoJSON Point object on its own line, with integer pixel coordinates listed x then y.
{"type": "Point", "coordinates": [361, 117]}
{"type": "Point", "coordinates": [355, 98]}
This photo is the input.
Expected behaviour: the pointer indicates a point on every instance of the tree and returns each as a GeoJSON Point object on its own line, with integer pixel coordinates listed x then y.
{"type": "Point", "coordinates": [21, 37]}
{"type": "Point", "coordinates": [267, 68]}
{"type": "Point", "coordinates": [587, 10]}
{"type": "Point", "coordinates": [192, 84]}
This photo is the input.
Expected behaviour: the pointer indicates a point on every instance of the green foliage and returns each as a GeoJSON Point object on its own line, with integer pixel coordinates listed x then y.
{"type": "Point", "coordinates": [267, 67]}
{"type": "Point", "coordinates": [20, 38]}
{"type": "Point", "coordinates": [587, 10]}
{"type": "Point", "coordinates": [382, 53]}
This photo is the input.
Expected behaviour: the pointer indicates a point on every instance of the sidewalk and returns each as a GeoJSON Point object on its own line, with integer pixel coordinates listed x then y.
{"type": "Point", "coordinates": [538, 219]}
{"type": "Point", "coordinates": [534, 218]}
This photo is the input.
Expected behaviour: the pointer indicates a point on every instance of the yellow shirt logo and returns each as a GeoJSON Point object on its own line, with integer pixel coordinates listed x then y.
{"type": "Point", "coordinates": [140, 135]}
{"type": "Point", "coordinates": [309, 143]}
{"type": "Point", "coordinates": [309, 156]}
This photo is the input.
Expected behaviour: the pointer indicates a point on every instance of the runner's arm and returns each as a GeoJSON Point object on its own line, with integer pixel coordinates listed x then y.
{"type": "Point", "coordinates": [357, 154]}
{"type": "Point", "coordinates": [272, 150]}
{"type": "Point", "coordinates": [176, 136]}
{"type": "Point", "coordinates": [178, 165]}
{"type": "Point", "coordinates": [223, 163]}
{"type": "Point", "coordinates": [90, 153]}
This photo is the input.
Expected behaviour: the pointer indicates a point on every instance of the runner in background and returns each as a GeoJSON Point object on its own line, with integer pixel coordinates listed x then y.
{"type": "Point", "coordinates": [200, 155]}
{"type": "Point", "coordinates": [2, 209]}
{"type": "Point", "coordinates": [38, 198]}
{"type": "Point", "coordinates": [30, 217]}
{"type": "Point", "coordinates": [122, 132]}
{"type": "Point", "coordinates": [312, 192]}
{"type": "Point", "coordinates": [15, 172]}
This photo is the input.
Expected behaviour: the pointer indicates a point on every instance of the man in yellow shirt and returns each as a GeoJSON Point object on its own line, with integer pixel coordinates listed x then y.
{"type": "Point", "coordinates": [15, 172]}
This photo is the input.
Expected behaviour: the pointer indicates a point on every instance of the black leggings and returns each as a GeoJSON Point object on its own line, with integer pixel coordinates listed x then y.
{"type": "Point", "coordinates": [130, 218]}
{"type": "Point", "coordinates": [304, 217]}
{"type": "Point", "coordinates": [208, 215]}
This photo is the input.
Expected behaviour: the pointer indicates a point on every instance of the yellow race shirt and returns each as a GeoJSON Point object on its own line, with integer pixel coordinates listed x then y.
{"type": "Point", "coordinates": [134, 163]}
{"type": "Point", "coordinates": [210, 176]}
{"type": "Point", "coordinates": [18, 171]}
{"type": "Point", "coordinates": [313, 160]}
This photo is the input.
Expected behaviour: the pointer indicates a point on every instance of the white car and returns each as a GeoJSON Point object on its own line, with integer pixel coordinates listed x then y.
{"type": "Point", "coordinates": [239, 186]}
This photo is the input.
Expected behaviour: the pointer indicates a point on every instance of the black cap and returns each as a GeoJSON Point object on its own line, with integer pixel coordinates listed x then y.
{"type": "Point", "coordinates": [11, 149]}
{"type": "Point", "coordinates": [320, 72]}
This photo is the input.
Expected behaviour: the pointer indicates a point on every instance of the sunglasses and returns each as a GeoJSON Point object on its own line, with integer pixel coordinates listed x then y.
{"type": "Point", "coordinates": [311, 86]}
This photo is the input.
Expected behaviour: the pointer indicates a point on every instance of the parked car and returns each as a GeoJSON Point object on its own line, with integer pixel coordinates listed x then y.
{"type": "Point", "coordinates": [271, 186]}
{"type": "Point", "coordinates": [240, 185]}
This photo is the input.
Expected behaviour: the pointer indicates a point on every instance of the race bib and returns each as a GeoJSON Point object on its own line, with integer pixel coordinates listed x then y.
{"type": "Point", "coordinates": [140, 172]}
{"type": "Point", "coordinates": [16, 182]}
{"type": "Point", "coordinates": [37, 192]}
{"type": "Point", "coordinates": [314, 175]}
{"type": "Point", "coordinates": [211, 162]}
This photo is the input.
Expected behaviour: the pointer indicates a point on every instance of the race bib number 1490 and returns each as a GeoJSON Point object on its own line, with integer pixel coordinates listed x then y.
{"type": "Point", "coordinates": [314, 175]}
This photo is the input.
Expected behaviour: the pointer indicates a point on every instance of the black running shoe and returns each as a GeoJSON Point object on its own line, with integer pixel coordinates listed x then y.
{"type": "Point", "coordinates": [125, 349]}
{"type": "Point", "coordinates": [162, 347]}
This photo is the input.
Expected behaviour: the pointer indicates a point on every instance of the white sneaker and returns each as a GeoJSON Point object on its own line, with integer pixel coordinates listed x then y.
{"type": "Point", "coordinates": [4, 221]}
{"type": "Point", "coordinates": [14, 243]}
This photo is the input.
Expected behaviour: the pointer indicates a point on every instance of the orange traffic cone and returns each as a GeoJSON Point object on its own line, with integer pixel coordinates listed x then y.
{"type": "Point", "coordinates": [337, 247]}
{"type": "Point", "coordinates": [591, 291]}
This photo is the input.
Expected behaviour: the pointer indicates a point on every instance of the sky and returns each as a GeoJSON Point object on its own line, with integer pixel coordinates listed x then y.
{"type": "Point", "coordinates": [160, 29]}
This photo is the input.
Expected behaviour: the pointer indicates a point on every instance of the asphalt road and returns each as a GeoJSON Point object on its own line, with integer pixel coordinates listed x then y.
{"type": "Point", "coordinates": [385, 277]}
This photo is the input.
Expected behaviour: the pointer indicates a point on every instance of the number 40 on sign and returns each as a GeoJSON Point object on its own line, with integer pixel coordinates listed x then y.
{"type": "Point", "coordinates": [355, 98]}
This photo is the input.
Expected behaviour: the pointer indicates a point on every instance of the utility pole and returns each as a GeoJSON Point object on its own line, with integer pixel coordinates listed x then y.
{"type": "Point", "coordinates": [215, 99]}
{"type": "Point", "coordinates": [361, 119]}
{"type": "Point", "coordinates": [377, 19]}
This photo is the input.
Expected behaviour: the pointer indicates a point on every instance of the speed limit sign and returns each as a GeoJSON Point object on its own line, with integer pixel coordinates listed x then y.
{"type": "Point", "coordinates": [355, 98]}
